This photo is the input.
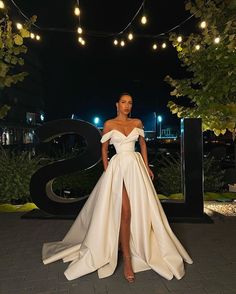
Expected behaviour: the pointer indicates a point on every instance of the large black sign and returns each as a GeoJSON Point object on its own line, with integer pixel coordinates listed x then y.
{"type": "Point", "coordinates": [41, 190]}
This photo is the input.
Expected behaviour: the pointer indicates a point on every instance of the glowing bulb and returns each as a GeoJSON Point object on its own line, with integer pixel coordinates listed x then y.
{"type": "Point", "coordinates": [83, 42]}
{"type": "Point", "coordinates": [2, 6]}
{"type": "Point", "coordinates": [80, 39]}
{"type": "Point", "coordinates": [80, 31]}
{"type": "Point", "coordinates": [38, 37]}
{"type": "Point", "coordinates": [32, 35]}
{"type": "Point", "coordinates": [217, 40]}
{"type": "Point", "coordinates": [154, 46]}
{"type": "Point", "coordinates": [77, 11]}
{"type": "Point", "coordinates": [130, 36]}
{"type": "Point", "coordinates": [115, 42]}
{"type": "Point", "coordinates": [19, 26]}
{"type": "Point", "coordinates": [203, 25]}
{"type": "Point", "coordinates": [144, 19]}
{"type": "Point", "coordinates": [179, 39]}
{"type": "Point", "coordinates": [122, 43]}
{"type": "Point", "coordinates": [163, 45]}
{"type": "Point", "coordinates": [197, 47]}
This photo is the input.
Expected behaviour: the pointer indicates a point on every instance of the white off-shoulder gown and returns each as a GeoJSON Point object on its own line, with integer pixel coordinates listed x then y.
{"type": "Point", "coordinates": [92, 242]}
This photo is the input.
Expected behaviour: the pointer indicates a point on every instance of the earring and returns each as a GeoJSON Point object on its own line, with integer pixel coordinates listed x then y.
{"type": "Point", "coordinates": [117, 111]}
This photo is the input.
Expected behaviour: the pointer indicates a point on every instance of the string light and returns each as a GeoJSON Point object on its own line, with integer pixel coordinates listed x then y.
{"type": "Point", "coordinates": [179, 39]}
{"type": "Point", "coordinates": [79, 30]}
{"type": "Point", "coordinates": [163, 45]}
{"type": "Point", "coordinates": [19, 26]}
{"type": "Point", "coordinates": [38, 37]}
{"type": "Point", "coordinates": [217, 40]}
{"type": "Point", "coordinates": [2, 6]}
{"type": "Point", "coordinates": [144, 19]}
{"type": "Point", "coordinates": [81, 41]}
{"type": "Point", "coordinates": [77, 11]}
{"type": "Point", "coordinates": [203, 24]}
{"type": "Point", "coordinates": [154, 46]}
{"type": "Point", "coordinates": [98, 34]}
{"type": "Point", "coordinates": [130, 36]}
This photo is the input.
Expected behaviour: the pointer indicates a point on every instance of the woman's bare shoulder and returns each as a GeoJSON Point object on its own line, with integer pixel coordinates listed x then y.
{"type": "Point", "coordinates": [137, 122]}
{"type": "Point", "coordinates": [109, 122]}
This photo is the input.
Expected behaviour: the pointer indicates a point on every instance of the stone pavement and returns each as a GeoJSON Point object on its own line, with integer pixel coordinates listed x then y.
{"type": "Point", "coordinates": [211, 246]}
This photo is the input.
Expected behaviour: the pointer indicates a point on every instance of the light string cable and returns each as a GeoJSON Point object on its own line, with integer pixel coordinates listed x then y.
{"type": "Point", "coordinates": [22, 13]}
{"type": "Point", "coordinates": [134, 17]}
{"type": "Point", "coordinates": [108, 34]}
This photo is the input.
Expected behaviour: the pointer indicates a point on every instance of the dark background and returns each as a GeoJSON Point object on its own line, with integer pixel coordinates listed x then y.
{"type": "Point", "coordinates": [87, 80]}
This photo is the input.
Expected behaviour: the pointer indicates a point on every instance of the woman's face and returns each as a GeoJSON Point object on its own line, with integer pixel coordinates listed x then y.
{"type": "Point", "coordinates": [124, 105]}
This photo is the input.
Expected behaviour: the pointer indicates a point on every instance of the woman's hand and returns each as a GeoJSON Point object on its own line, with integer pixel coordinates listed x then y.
{"type": "Point", "coordinates": [150, 173]}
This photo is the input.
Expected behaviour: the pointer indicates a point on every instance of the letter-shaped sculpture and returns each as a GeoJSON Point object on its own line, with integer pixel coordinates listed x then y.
{"type": "Point", "coordinates": [41, 182]}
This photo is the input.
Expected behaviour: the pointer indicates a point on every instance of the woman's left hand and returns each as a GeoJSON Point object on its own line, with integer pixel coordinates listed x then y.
{"type": "Point", "coordinates": [150, 173]}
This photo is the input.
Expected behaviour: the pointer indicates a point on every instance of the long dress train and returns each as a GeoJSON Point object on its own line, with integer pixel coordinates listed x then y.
{"type": "Point", "coordinates": [92, 242]}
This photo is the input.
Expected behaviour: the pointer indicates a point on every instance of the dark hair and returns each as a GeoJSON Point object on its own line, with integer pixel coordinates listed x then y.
{"type": "Point", "coordinates": [123, 94]}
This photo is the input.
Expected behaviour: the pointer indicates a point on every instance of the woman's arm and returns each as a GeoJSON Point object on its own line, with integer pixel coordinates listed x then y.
{"type": "Point", "coordinates": [143, 147]}
{"type": "Point", "coordinates": [106, 128]}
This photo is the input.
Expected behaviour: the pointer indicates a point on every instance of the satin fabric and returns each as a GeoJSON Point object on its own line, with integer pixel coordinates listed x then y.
{"type": "Point", "coordinates": [92, 242]}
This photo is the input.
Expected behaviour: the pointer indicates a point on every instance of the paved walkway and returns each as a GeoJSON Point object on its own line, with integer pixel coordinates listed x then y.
{"type": "Point", "coordinates": [212, 247]}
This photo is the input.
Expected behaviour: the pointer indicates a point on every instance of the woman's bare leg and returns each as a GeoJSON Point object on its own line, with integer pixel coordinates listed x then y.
{"type": "Point", "coordinates": [125, 234]}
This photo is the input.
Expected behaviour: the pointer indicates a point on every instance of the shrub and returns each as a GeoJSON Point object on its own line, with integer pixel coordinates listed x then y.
{"type": "Point", "coordinates": [168, 171]}
{"type": "Point", "coordinates": [16, 170]}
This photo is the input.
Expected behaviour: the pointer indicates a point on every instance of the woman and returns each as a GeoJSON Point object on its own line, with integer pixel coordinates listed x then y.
{"type": "Point", "coordinates": [122, 208]}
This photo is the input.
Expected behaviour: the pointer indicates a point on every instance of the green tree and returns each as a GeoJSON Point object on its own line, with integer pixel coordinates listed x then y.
{"type": "Point", "coordinates": [210, 61]}
{"type": "Point", "coordinates": [12, 48]}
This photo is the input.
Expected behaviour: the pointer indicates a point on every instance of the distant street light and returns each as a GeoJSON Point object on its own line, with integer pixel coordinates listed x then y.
{"type": "Point", "coordinates": [42, 117]}
{"type": "Point", "coordinates": [96, 120]}
{"type": "Point", "coordinates": [159, 118]}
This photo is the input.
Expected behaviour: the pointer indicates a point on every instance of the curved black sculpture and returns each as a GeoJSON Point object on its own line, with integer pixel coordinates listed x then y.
{"type": "Point", "coordinates": [41, 182]}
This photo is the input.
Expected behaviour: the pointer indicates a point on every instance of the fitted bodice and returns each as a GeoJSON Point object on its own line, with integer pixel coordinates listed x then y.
{"type": "Point", "coordinates": [122, 142]}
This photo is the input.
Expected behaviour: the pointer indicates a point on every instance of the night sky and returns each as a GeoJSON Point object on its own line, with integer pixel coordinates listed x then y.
{"type": "Point", "coordinates": [87, 80]}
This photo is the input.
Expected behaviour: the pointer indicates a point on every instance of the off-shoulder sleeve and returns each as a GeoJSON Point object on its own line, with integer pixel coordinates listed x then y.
{"type": "Point", "coordinates": [106, 137]}
{"type": "Point", "coordinates": [141, 132]}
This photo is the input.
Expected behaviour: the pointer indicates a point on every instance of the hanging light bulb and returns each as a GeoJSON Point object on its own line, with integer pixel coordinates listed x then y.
{"type": "Point", "coordinates": [79, 30]}
{"type": "Point", "coordinates": [32, 35]}
{"type": "Point", "coordinates": [115, 42]}
{"type": "Point", "coordinates": [203, 24]}
{"type": "Point", "coordinates": [77, 11]}
{"type": "Point", "coordinates": [2, 6]}
{"type": "Point", "coordinates": [217, 40]}
{"type": "Point", "coordinates": [144, 19]}
{"type": "Point", "coordinates": [122, 43]}
{"type": "Point", "coordinates": [163, 45]}
{"type": "Point", "coordinates": [83, 42]}
{"type": "Point", "coordinates": [38, 37]}
{"type": "Point", "coordinates": [197, 47]}
{"type": "Point", "coordinates": [179, 39]}
{"type": "Point", "coordinates": [130, 36]}
{"type": "Point", "coordinates": [80, 39]}
{"type": "Point", "coordinates": [19, 26]}
{"type": "Point", "coordinates": [154, 46]}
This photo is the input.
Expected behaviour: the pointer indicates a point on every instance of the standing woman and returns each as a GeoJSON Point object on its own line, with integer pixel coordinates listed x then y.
{"type": "Point", "coordinates": [122, 208]}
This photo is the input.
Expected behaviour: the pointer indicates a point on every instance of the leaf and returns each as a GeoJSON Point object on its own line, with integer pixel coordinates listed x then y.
{"type": "Point", "coordinates": [188, 6]}
{"type": "Point", "coordinates": [25, 33]}
{"type": "Point", "coordinates": [217, 132]}
{"type": "Point", "coordinates": [18, 40]}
